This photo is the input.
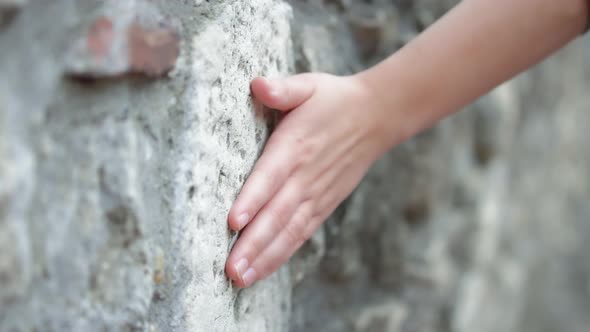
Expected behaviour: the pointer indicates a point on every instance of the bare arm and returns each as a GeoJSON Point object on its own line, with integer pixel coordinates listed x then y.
{"type": "Point", "coordinates": [475, 47]}
{"type": "Point", "coordinates": [337, 126]}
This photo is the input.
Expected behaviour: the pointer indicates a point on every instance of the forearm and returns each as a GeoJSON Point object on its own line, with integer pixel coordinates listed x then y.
{"type": "Point", "coordinates": [475, 47]}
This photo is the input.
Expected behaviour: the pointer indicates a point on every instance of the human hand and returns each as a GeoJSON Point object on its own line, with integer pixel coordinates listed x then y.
{"type": "Point", "coordinates": [319, 152]}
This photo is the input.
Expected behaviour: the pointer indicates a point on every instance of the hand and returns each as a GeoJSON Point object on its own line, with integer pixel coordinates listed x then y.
{"type": "Point", "coordinates": [319, 152]}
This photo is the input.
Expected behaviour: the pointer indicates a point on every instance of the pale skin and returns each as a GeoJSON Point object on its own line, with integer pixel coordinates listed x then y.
{"type": "Point", "coordinates": [336, 127]}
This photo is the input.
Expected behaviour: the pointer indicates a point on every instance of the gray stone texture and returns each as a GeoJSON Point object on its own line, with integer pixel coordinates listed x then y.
{"type": "Point", "coordinates": [115, 187]}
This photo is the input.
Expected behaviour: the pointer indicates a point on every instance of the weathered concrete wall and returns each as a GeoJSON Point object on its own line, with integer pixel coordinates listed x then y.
{"type": "Point", "coordinates": [115, 190]}
{"type": "Point", "coordinates": [115, 181]}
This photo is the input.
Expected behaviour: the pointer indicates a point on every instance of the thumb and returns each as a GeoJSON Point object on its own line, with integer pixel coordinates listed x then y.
{"type": "Point", "coordinates": [283, 94]}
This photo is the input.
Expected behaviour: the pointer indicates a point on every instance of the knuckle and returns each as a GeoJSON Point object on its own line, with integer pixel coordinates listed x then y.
{"type": "Point", "coordinates": [310, 228]}
{"type": "Point", "coordinates": [295, 189]}
{"type": "Point", "coordinates": [327, 204]}
{"type": "Point", "coordinates": [266, 177]}
{"type": "Point", "coordinates": [312, 191]}
{"type": "Point", "coordinates": [259, 185]}
{"type": "Point", "coordinates": [308, 193]}
{"type": "Point", "coordinates": [254, 245]}
{"type": "Point", "coordinates": [295, 230]}
{"type": "Point", "coordinates": [305, 151]}
{"type": "Point", "coordinates": [282, 209]}
{"type": "Point", "coordinates": [276, 213]}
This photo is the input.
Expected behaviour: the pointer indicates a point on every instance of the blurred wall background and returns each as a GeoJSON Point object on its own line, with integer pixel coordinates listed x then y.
{"type": "Point", "coordinates": [126, 130]}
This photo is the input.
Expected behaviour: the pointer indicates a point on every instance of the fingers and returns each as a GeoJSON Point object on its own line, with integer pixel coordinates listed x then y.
{"type": "Point", "coordinates": [261, 232]}
{"type": "Point", "coordinates": [288, 240]}
{"type": "Point", "coordinates": [283, 94]}
{"type": "Point", "coordinates": [269, 174]}
{"type": "Point", "coordinates": [277, 161]}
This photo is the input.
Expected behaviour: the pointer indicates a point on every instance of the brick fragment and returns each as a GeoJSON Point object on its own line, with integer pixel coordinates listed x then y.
{"type": "Point", "coordinates": [118, 46]}
{"type": "Point", "coordinates": [100, 38]}
{"type": "Point", "coordinates": [152, 51]}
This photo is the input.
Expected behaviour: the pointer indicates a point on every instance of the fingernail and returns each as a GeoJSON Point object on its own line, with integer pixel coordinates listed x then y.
{"type": "Point", "coordinates": [249, 277]}
{"type": "Point", "coordinates": [243, 220]}
{"type": "Point", "coordinates": [241, 266]}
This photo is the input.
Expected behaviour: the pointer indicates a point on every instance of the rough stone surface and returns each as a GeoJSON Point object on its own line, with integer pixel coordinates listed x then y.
{"type": "Point", "coordinates": [114, 191]}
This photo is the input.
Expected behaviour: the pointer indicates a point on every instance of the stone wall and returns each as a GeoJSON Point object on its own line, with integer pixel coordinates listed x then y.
{"type": "Point", "coordinates": [126, 130]}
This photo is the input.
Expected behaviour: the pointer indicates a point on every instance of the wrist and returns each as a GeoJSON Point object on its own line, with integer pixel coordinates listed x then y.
{"type": "Point", "coordinates": [396, 104]}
